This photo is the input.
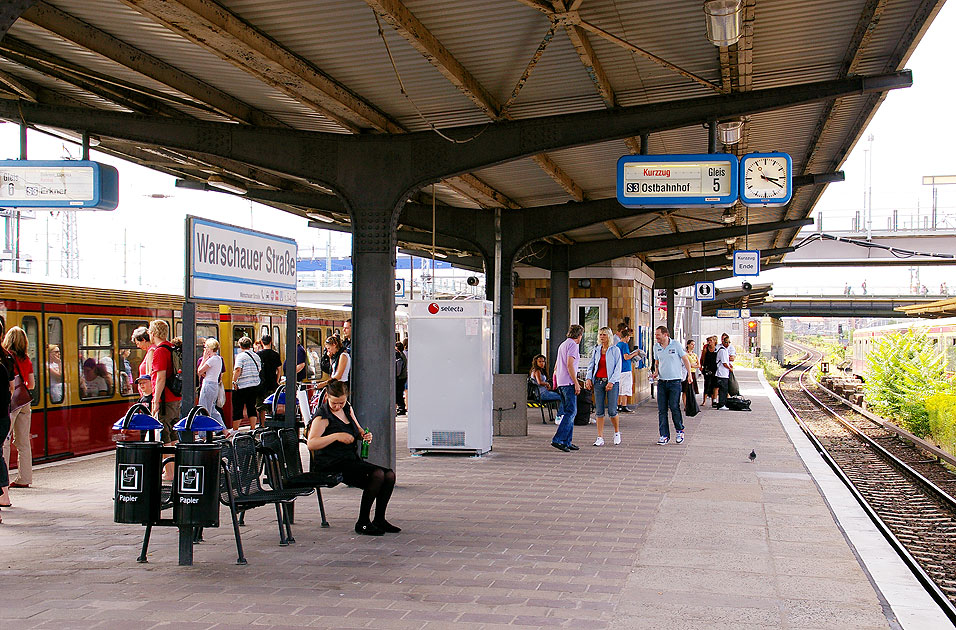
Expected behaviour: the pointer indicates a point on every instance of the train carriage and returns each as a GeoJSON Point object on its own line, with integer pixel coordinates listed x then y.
{"type": "Point", "coordinates": [940, 332]}
{"type": "Point", "coordinates": [85, 363]}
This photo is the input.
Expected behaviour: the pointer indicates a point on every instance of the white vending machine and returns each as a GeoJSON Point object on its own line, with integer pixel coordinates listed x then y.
{"type": "Point", "coordinates": [450, 369]}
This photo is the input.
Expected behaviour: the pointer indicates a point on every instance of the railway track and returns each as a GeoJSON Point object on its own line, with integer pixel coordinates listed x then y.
{"type": "Point", "coordinates": [905, 492]}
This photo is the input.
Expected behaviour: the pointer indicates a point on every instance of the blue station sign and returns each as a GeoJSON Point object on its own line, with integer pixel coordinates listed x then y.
{"type": "Point", "coordinates": [677, 181]}
{"type": "Point", "coordinates": [77, 184]}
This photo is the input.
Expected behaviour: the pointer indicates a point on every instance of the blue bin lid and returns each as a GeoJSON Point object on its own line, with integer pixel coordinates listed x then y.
{"type": "Point", "coordinates": [133, 421]}
{"type": "Point", "coordinates": [199, 422]}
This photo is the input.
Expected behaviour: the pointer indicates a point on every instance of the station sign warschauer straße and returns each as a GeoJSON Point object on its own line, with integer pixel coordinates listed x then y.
{"type": "Point", "coordinates": [227, 263]}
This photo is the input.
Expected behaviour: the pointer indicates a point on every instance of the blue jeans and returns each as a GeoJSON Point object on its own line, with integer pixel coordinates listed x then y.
{"type": "Point", "coordinates": [546, 395]}
{"type": "Point", "coordinates": [569, 408]}
{"type": "Point", "coordinates": [668, 396]}
{"type": "Point", "coordinates": [723, 384]}
{"type": "Point", "coordinates": [604, 399]}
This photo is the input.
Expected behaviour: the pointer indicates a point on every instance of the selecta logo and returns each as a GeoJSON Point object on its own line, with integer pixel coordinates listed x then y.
{"type": "Point", "coordinates": [434, 309]}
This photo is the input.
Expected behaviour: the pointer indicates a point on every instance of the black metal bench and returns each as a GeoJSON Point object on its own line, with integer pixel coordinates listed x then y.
{"type": "Point", "coordinates": [285, 444]}
{"type": "Point", "coordinates": [242, 490]}
{"type": "Point", "coordinates": [534, 400]}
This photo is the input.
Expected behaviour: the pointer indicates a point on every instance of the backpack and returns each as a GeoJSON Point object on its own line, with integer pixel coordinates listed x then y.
{"type": "Point", "coordinates": [174, 381]}
{"type": "Point", "coordinates": [736, 403]}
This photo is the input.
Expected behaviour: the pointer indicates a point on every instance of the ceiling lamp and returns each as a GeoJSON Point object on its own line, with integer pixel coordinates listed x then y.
{"type": "Point", "coordinates": [729, 216]}
{"type": "Point", "coordinates": [729, 132]}
{"type": "Point", "coordinates": [218, 182]}
{"type": "Point", "coordinates": [723, 21]}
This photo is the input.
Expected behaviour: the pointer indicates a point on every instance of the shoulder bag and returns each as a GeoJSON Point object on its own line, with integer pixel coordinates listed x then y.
{"type": "Point", "coordinates": [21, 395]}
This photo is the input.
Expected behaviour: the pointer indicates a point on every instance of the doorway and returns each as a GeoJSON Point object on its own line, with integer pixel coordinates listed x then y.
{"type": "Point", "coordinates": [592, 314]}
{"type": "Point", "coordinates": [529, 323]}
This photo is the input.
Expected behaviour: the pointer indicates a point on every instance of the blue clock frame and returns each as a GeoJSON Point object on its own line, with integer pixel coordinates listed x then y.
{"type": "Point", "coordinates": [762, 201]}
{"type": "Point", "coordinates": [711, 201]}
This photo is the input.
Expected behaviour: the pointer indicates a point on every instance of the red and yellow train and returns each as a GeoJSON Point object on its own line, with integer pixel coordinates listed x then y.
{"type": "Point", "coordinates": [73, 408]}
{"type": "Point", "coordinates": [940, 332]}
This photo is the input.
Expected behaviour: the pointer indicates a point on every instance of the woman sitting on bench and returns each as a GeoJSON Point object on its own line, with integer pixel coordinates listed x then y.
{"type": "Point", "coordinates": [333, 436]}
{"type": "Point", "coordinates": [539, 379]}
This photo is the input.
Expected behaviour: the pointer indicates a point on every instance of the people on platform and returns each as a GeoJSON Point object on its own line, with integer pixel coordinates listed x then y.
{"type": "Point", "coordinates": [347, 336]}
{"type": "Point", "coordinates": [145, 388]}
{"type": "Point", "coordinates": [725, 366]}
{"type": "Point", "coordinates": [332, 438]}
{"type": "Point", "coordinates": [708, 365]}
{"type": "Point", "coordinates": [339, 361]}
{"type": "Point", "coordinates": [689, 385]}
{"type": "Point", "coordinates": [401, 378]}
{"type": "Point", "coordinates": [627, 377]}
{"type": "Point", "coordinates": [604, 372]}
{"type": "Point", "coordinates": [141, 340]}
{"type": "Point", "coordinates": [301, 361]}
{"type": "Point", "coordinates": [863, 287]}
{"type": "Point", "coordinates": [16, 345]}
{"type": "Point", "coordinates": [166, 404]}
{"type": "Point", "coordinates": [269, 375]}
{"type": "Point", "coordinates": [210, 370]}
{"type": "Point", "coordinates": [669, 356]}
{"type": "Point", "coordinates": [566, 378]}
{"type": "Point", "coordinates": [245, 384]}
{"type": "Point", "coordinates": [539, 379]}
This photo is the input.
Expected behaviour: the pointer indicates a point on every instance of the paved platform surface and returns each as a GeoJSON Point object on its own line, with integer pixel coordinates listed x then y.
{"type": "Point", "coordinates": [630, 536]}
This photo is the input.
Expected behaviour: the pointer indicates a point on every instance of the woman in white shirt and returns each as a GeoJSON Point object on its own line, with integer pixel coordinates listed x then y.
{"type": "Point", "coordinates": [245, 385]}
{"type": "Point", "coordinates": [210, 369]}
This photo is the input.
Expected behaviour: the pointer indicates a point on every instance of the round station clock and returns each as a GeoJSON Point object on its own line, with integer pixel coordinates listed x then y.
{"type": "Point", "coordinates": [766, 179]}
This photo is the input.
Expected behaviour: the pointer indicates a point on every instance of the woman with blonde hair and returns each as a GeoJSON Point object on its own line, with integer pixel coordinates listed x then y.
{"type": "Point", "coordinates": [210, 369]}
{"type": "Point", "coordinates": [15, 344]}
{"type": "Point", "coordinates": [604, 374]}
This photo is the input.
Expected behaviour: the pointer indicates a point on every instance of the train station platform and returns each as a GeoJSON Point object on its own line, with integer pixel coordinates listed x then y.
{"type": "Point", "coordinates": [631, 536]}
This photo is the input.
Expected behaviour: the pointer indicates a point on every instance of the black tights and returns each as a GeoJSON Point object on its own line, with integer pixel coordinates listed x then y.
{"type": "Point", "coordinates": [379, 488]}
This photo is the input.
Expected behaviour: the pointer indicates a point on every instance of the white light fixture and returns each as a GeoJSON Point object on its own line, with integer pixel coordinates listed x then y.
{"type": "Point", "coordinates": [321, 217]}
{"type": "Point", "coordinates": [439, 255]}
{"type": "Point", "coordinates": [730, 241]}
{"type": "Point", "coordinates": [729, 217]}
{"type": "Point", "coordinates": [729, 132]}
{"type": "Point", "coordinates": [218, 182]}
{"type": "Point", "coordinates": [723, 21]}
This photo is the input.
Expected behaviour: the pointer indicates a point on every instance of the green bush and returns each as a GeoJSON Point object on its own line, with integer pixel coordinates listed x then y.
{"type": "Point", "coordinates": [771, 369]}
{"type": "Point", "coordinates": [941, 411]}
{"type": "Point", "coordinates": [902, 371]}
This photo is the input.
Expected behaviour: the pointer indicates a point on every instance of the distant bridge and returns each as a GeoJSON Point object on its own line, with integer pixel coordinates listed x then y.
{"type": "Point", "coordinates": [838, 306]}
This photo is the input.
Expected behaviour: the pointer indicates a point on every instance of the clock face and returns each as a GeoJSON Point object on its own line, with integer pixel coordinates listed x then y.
{"type": "Point", "coordinates": [766, 178]}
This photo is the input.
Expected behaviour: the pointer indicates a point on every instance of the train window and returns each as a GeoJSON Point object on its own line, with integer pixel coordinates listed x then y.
{"type": "Point", "coordinates": [263, 330]}
{"type": "Point", "coordinates": [204, 332]}
{"type": "Point", "coordinates": [95, 358]}
{"type": "Point", "coordinates": [54, 359]}
{"type": "Point", "coordinates": [238, 332]}
{"type": "Point", "coordinates": [276, 339]}
{"type": "Point", "coordinates": [131, 357]}
{"type": "Point", "coordinates": [30, 327]}
{"type": "Point", "coordinates": [313, 348]}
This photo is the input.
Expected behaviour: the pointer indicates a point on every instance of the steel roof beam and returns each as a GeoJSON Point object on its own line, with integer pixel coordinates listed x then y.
{"type": "Point", "coordinates": [210, 26]}
{"type": "Point", "coordinates": [416, 159]}
{"type": "Point", "coordinates": [52, 19]}
{"type": "Point", "coordinates": [665, 268]}
{"type": "Point", "coordinates": [10, 12]}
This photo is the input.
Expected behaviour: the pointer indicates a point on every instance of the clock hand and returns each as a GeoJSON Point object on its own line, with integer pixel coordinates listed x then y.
{"type": "Point", "coordinates": [773, 180]}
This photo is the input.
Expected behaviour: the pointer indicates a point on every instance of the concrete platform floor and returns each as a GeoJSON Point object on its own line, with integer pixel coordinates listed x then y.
{"type": "Point", "coordinates": [630, 536]}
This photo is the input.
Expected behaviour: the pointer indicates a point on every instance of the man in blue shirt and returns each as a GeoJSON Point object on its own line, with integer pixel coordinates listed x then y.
{"type": "Point", "coordinates": [668, 356]}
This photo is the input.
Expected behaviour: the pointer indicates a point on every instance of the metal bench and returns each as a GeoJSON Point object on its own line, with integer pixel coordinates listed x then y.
{"type": "Point", "coordinates": [534, 400]}
{"type": "Point", "coordinates": [242, 490]}
{"type": "Point", "coordinates": [285, 444]}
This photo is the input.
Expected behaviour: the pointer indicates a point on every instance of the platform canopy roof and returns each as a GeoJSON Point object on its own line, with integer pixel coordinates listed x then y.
{"type": "Point", "coordinates": [932, 310]}
{"type": "Point", "coordinates": [392, 67]}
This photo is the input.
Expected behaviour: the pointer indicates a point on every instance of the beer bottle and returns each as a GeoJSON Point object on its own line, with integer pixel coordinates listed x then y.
{"type": "Point", "coordinates": [363, 451]}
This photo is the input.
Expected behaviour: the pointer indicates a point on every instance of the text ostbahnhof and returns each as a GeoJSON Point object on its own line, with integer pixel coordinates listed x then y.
{"type": "Point", "coordinates": [235, 256]}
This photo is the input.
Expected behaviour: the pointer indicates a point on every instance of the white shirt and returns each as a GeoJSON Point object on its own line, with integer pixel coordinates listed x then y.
{"type": "Point", "coordinates": [723, 356]}
{"type": "Point", "coordinates": [250, 365]}
{"type": "Point", "coordinates": [348, 366]}
{"type": "Point", "coordinates": [213, 370]}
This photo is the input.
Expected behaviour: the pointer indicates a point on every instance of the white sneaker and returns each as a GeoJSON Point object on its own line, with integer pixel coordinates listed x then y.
{"type": "Point", "coordinates": [599, 442]}
{"type": "Point", "coordinates": [680, 437]}
{"type": "Point", "coordinates": [617, 438]}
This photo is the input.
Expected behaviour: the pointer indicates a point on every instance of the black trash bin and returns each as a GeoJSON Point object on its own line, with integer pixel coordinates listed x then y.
{"type": "Point", "coordinates": [138, 470]}
{"type": "Point", "coordinates": [196, 491]}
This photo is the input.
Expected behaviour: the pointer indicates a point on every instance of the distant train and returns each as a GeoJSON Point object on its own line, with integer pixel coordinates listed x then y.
{"type": "Point", "coordinates": [940, 332]}
{"type": "Point", "coordinates": [69, 326]}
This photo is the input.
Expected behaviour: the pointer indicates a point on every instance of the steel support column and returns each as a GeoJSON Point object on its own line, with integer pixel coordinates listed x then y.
{"type": "Point", "coordinates": [189, 359]}
{"type": "Point", "coordinates": [559, 307]}
{"type": "Point", "coordinates": [669, 287]}
{"type": "Point", "coordinates": [291, 328]}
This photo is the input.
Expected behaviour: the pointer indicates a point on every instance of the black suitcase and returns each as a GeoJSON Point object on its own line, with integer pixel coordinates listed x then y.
{"type": "Point", "coordinates": [585, 402]}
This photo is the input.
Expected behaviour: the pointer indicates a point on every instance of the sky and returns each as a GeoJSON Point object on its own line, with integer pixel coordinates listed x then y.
{"type": "Point", "coordinates": [910, 134]}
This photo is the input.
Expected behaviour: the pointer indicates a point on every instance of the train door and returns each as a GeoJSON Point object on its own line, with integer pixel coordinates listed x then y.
{"type": "Point", "coordinates": [55, 428]}
{"type": "Point", "coordinates": [30, 325]}
{"type": "Point", "coordinates": [528, 339]}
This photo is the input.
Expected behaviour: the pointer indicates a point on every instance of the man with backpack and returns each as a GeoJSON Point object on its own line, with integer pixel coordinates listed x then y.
{"type": "Point", "coordinates": [167, 379]}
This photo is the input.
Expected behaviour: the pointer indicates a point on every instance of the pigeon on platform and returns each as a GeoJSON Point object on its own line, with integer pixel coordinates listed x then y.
{"type": "Point", "coordinates": [753, 455]}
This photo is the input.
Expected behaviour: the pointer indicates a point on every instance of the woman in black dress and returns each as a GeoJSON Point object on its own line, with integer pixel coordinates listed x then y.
{"type": "Point", "coordinates": [333, 436]}
{"type": "Point", "coordinates": [708, 365]}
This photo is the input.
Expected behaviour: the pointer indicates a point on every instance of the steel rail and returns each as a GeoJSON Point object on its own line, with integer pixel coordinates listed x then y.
{"type": "Point", "coordinates": [919, 573]}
